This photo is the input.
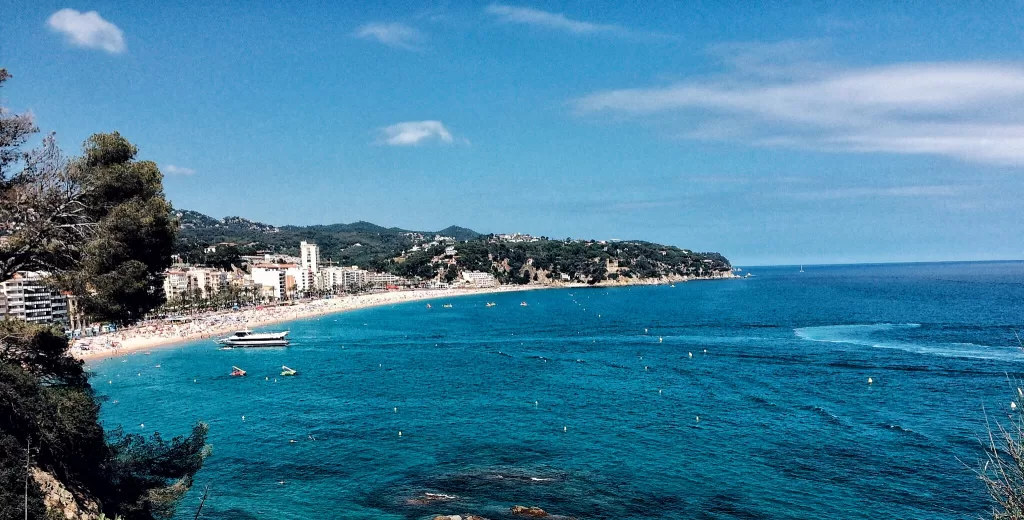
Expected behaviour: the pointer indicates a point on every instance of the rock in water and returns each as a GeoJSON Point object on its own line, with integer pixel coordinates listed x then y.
{"type": "Point", "coordinates": [532, 512]}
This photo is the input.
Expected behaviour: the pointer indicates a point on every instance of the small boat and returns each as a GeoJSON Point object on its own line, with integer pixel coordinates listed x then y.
{"type": "Point", "coordinates": [447, 306]}
{"type": "Point", "coordinates": [491, 304]}
{"type": "Point", "coordinates": [285, 371]}
{"type": "Point", "coordinates": [429, 307]}
{"type": "Point", "coordinates": [237, 372]}
{"type": "Point", "coordinates": [523, 304]}
{"type": "Point", "coordinates": [248, 338]}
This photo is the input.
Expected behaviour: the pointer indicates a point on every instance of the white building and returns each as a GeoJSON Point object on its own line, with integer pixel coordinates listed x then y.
{"type": "Point", "coordinates": [309, 263]}
{"type": "Point", "coordinates": [187, 279]}
{"type": "Point", "coordinates": [479, 278]}
{"type": "Point", "coordinates": [272, 279]}
{"type": "Point", "coordinates": [383, 280]}
{"type": "Point", "coordinates": [27, 297]}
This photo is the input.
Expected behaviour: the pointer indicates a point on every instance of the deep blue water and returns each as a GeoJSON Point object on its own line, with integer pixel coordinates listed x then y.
{"type": "Point", "coordinates": [568, 404]}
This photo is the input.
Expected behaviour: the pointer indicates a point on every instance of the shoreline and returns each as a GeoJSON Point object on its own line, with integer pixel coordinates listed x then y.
{"type": "Point", "coordinates": [147, 336]}
{"type": "Point", "coordinates": [157, 334]}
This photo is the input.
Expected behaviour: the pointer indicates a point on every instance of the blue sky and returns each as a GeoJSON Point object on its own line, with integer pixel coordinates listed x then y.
{"type": "Point", "coordinates": [774, 132]}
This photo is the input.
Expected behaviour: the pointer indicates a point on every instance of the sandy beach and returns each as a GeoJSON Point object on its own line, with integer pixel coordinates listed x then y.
{"type": "Point", "coordinates": [152, 334]}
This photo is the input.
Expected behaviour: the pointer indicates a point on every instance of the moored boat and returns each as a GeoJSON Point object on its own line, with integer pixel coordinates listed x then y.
{"type": "Point", "coordinates": [248, 338]}
{"type": "Point", "coordinates": [285, 371]}
{"type": "Point", "coordinates": [237, 372]}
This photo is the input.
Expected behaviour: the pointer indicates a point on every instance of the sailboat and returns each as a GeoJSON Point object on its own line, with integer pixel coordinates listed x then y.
{"type": "Point", "coordinates": [237, 372]}
{"type": "Point", "coordinates": [285, 371]}
{"type": "Point", "coordinates": [801, 268]}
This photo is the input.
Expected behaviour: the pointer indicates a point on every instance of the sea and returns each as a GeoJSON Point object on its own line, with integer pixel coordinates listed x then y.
{"type": "Point", "coordinates": [728, 399]}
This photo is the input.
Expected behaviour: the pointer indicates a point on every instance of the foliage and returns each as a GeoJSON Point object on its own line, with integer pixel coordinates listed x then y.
{"type": "Point", "coordinates": [1003, 471]}
{"type": "Point", "coordinates": [121, 269]}
{"type": "Point", "coordinates": [102, 227]}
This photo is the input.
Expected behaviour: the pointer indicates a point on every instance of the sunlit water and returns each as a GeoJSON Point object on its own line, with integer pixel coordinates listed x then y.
{"type": "Point", "coordinates": [585, 402]}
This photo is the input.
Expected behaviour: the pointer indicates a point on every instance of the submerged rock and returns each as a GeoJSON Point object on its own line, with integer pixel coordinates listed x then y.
{"type": "Point", "coordinates": [532, 512]}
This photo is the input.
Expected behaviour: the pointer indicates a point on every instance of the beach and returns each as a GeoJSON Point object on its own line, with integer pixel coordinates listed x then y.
{"type": "Point", "coordinates": [160, 333]}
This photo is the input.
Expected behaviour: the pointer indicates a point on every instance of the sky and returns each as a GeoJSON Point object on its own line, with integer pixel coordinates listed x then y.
{"type": "Point", "coordinates": [795, 132]}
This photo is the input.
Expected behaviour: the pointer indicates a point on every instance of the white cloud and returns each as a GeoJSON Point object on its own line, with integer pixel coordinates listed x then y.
{"type": "Point", "coordinates": [396, 35]}
{"type": "Point", "coordinates": [411, 133]}
{"type": "Point", "coordinates": [171, 169]}
{"type": "Point", "coordinates": [87, 30]}
{"type": "Point", "coordinates": [972, 111]}
{"type": "Point", "coordinates": [528, 16]}
{"type": "Point", "coordinates": [560, 22]}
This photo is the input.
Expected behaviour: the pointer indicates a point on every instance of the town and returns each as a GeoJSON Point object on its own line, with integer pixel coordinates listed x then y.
{"type": "Point", "coordinates": [264, 278]}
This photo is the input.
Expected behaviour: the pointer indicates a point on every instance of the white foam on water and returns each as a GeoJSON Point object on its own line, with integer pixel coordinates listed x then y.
{"type": "Point", "coordinates": [862, 335]}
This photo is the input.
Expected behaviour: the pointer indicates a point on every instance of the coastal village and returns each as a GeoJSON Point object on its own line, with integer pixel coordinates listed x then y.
{"type": "Point", "coordinates": [260, 279]}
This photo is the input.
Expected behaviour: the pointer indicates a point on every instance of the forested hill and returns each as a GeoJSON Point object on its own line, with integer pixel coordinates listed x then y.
{"type": "Point", "coordinates": [358, 243]}
{"type": "Point", "coordinates": [418, 255]}
{"type": "Point", "coordinates": [554, 261]}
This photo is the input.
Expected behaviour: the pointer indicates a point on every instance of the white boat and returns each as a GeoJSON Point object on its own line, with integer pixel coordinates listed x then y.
{"type": "Point", "coordinates": [248, 338]}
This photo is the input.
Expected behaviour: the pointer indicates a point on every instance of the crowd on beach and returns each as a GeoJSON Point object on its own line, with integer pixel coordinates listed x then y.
{"type": "Point", "coordinates": [152, 333]}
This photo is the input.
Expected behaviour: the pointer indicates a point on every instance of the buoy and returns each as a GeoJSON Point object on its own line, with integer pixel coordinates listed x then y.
{"type": "Point", "coordinates": [110, 382]}
{"type": "Point", "coordinates": [698, 418]}
{"type": "Point", "coordinates": [243, 417]}
{"type": "Point", "coordinates": [690, 353]}
{"type": "Point", "coordinates": [645, 331]}
{"type": "Point", "coordinates": [705, 351]}
{"type": "Point", "coordinates": [292, 441]}
{"type": "Point", "coordinates": [661, 339]}
{"type": "Point", "coordinates": [142, 425]}
{"type": "Point", "coordinates": [870, 381]}
{"type": "Point", "coordinates": [659, 390]}
{"type": "Point", "coordinates": [399, 433]}
{"type": "Point", "coordinates": [645, 368]}
{"type": "Point", "coordinates": [267, 378]}
{"type": "Point", "coordinates": [536, 403]}
{"type": "Point", "coordinates": [565, 428]}
{"type": "Point", "coordinates": [396, 409]}
{"type": "Point", "coordinates": [195, 380]}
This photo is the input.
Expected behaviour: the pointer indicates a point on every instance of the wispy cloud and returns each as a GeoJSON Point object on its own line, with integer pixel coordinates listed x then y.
{"type": "Point", "coordinates": [878, 192]}
{"type": "Point", "coordinates": [560, 22]}
{"type": "Point", "coordinates": [972, 111]}
{"type": "Point", "coordinates": [397, 35]}
{"type": "Point", "coordinates": [410, 133]}
{"type": "Point", "coordinates": [171, 169]}
{"type": "Point", "coordinates": [88, 30]}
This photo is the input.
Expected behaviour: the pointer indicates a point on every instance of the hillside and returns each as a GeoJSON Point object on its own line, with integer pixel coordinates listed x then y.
{"type": "Point", "coordinates": [415, 254]}
{"type": "Point", "coordinates": [546, 261]}
{"type": "Point", "coordinates": [358, 243]}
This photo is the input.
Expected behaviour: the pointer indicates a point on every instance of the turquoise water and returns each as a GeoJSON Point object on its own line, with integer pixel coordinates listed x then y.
{"type": "Point", "coordinates": [568, 404]}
